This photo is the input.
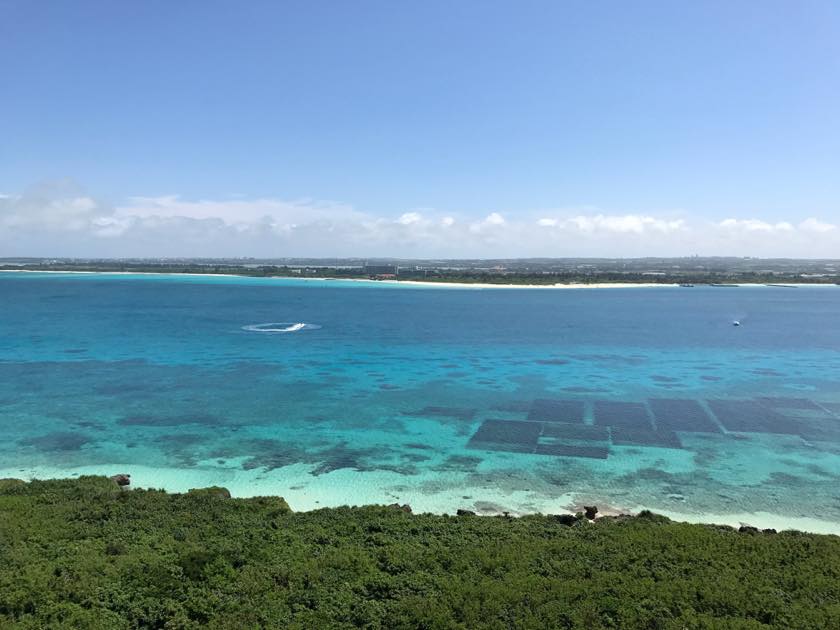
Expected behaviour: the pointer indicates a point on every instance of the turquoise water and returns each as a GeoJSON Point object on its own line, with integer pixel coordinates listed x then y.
{"type": "Point", "coordinates": [493, 400]}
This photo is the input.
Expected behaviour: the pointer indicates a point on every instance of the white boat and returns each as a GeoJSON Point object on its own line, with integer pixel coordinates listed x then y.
{"type": "Point", "coordinates": [295, 327]}
{"type": "Point", "coordinates": [736, 323]}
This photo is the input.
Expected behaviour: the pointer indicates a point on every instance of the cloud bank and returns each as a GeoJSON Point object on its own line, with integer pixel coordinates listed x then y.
{"type": "Point", "coordinates": [58, 219]}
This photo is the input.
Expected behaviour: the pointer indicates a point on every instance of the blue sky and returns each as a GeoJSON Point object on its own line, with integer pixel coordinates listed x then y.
{"type": "Point", "coordinates": [426, 128]}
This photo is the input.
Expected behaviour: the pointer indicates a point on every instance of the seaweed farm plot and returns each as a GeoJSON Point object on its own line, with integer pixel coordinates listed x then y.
{"type": "Point", "coordinates": [749, 416]}
{"type": "Point", "coordinates": [559, 427]}
{"type": "Point", "coordinates": [786, 416]}
{"type": "Point", "coordinates": [544, 433]}
{"type": "Point", "coordinates": [558, 439]}
{"type": "Point", "coordinates": [507, 435]}
{"type": "Point", "coordinates": [612, 413]}
{"type": "Point", "coordinates": [682, 415]}
{"type": "Point", "coordinates": [566, 411]}
{"type": "Point", "coordinates": [573, 440]}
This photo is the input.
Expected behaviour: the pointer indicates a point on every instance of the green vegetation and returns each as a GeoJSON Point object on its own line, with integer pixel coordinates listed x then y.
{"type": "Point", "coordinates": [86, 554]}
{"type": "Point", "coordinates": [614, 272]}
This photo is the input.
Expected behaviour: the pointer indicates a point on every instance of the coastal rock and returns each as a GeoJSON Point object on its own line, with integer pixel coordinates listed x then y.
{"type": "Point", "coordinates": [121, 480]}
{"type": "Point", "coordinates": [405, 507]}
{"type": "Point", "coordinates": [590, 511]}
{"type": "Point", "coordinates": [461, 512]}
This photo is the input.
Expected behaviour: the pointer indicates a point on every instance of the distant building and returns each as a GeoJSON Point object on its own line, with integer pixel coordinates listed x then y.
{"type": "Point", "coordinates": [381, 271]}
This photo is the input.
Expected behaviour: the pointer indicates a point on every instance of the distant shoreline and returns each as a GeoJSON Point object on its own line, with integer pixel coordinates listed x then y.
{"type": "Point", "coordinates": [434, 284]}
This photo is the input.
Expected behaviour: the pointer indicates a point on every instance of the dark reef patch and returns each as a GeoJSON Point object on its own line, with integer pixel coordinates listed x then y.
{"type": "Point", "coordinates": [460, 413]}
{"type": "Point", "coordinates": [420, 446]}
{"type": "Point", "coordinates": [458, 463]}
{"type": "Point", "coordinates": [172, 421]}
{"type": "Point", "coordinates": [58, 441]}
{"type": "Point", "coordinates": [659, 378]}
{"type": "Point", "coordinates": [174, 441]}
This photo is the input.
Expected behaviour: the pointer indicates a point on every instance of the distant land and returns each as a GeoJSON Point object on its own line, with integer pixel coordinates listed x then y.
{"type": "Point", "coordinates": [519, 271]}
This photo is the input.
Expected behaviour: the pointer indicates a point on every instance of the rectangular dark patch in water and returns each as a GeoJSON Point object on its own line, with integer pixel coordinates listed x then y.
{"type": "Point", "coordinates": [621, 414]}
{"type": "Point", "coordinates": [781, 402]}
{"type": "Point", "coordinates": [547, 410]}
{"type": "Point", "coordinates": [821, 430]}
{"type": "Point", "coordinates": [565, 431]}
{"type": "Point", "coordinates": [677, 414]}
{"type": "Point", "coordinates": [513, 406]}
{"type": "Point", "coordinates": [564, 450]}
{"type": "Point", "coordinates": [506, 435]}
{"type": "Point", "coordinates": [636, 436]}
{"type": "Point", "coordinates": [834, 407]}
{"type": "Point", "coordinates": [750, 416]}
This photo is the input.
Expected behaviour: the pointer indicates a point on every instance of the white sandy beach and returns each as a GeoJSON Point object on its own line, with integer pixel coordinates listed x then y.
{"type": "Point", "coordinates": [305, 492]}
{"type": "Point", "coordinates": [429, 284]}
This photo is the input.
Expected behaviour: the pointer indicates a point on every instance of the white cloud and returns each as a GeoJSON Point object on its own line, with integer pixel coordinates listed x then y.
{"type": "Point", "coordinates": [409, 218]}
{"type": "Point", "coordinates": [616, 224]}
{"type": "Point", "coordinates": [58, 219]}
{"type": "Point", "coordinates": [755, 225]}
{"type": "Point", "coordinates": [815, 225]}
{"type": "Point", "coordinates": [494, 218]}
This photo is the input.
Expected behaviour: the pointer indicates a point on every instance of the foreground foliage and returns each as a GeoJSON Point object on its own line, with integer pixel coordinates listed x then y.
{"type": "Point", "coordinates": [86, 554]}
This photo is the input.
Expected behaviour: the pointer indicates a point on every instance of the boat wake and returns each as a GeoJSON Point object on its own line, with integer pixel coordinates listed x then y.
{"type": "Point", "coordinates": [280, 327]}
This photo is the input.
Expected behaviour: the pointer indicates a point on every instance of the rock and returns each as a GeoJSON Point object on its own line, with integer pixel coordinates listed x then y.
{"type": "Point", "coordinates": [405, 507]}
{"type": "Point", "coordinates": [465, 513]}
{"type": "Point", "coordinates": [212, 491]}
{"type": "Point", "coordinates": [121, 480]}
{"type": "Point", "coordinates": [590, 511]}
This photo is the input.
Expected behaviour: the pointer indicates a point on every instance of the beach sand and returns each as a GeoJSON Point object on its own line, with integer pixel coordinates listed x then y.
{"type": "Point", "coordinates": [305, 492]}
{"type": "Point", "coordinates": [422, 283]}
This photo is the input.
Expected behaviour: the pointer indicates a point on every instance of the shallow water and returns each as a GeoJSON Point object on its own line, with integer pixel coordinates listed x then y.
{"type": "Point", "coordinates": [444, 398]}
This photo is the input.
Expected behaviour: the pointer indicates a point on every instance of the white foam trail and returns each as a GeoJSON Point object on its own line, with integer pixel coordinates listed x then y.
{"type": "Point", "coordinates": [279, 327]}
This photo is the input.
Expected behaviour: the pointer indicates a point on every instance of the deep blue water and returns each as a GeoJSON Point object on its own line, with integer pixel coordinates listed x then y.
{"type": "Point", "coordinates": [494, 399]}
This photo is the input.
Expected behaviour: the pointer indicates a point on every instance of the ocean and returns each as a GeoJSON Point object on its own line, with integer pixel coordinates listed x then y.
{"type": "Point", "coordinates": [492, 400]}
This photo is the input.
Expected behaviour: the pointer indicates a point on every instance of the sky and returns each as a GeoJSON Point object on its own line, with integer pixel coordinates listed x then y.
{"type": "Point", "coordinates": [420, 129]}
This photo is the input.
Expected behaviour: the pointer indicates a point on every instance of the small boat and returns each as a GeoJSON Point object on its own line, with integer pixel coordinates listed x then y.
{"type": "Point", "coordinates": [295, 327]}
{"type": "Point", "coordinates": [736, 323]}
